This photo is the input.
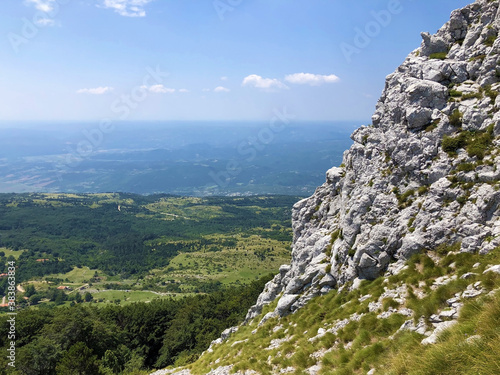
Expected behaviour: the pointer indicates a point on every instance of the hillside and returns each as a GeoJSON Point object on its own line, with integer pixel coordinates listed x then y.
{"type": "Point", "coordinates": [421, 184]}
{"type": "Point", "coordinates": [129, 248]}
{"type": "Point", "coordinates": [123, 283]}
{"type": "Point", "coordinates": [373, 327]}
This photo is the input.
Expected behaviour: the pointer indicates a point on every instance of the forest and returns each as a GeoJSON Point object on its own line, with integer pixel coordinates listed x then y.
{"type": "Point", "coordinates": [126, 235]}
{"type": "Point", "coordinates": [85, 339]}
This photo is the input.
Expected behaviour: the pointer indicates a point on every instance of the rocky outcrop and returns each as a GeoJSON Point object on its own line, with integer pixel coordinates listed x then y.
{"type": "Point", "coordinates": [423, 174]}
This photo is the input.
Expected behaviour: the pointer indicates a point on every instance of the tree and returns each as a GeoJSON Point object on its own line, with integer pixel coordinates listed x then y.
{"type": "Point", "coordinates": [78, 297]}
{"type": "Point", "coordinates": [60, 298]}
{"type": "Point", "coordinates": [30, 290]}
{"type": "Point", "coordinates": [39, 357]}
{"type": "Point", "coordinates": [88, 297]}
{"type": "Point", "coordinates": [78, 360]}
{"type": "Point", "coordinates": [35, 298]}
{"type": "Point", "coordinates": [116, 360]}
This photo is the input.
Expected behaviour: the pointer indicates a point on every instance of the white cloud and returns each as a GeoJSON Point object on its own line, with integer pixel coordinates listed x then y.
{"type": "Point", "coordinates": [183, 90]}
{"type": "Point", "coordinates": [42, 5]}
{"type": "Point", "coordinates": [221, 89]}
{"type": "Point", "coordinates": [311, 79]}
{"type": "Point", "coordinates": [45, 22]}
{"type": "Point", "coordinates": [46, 10]}
{"type": "Point", "coordinates": [127, 8]}
{"type": "Point", "coordinates": [223, 78]}
{"type": "Point", "coordinates": [95, 91]}
{"type": "Point", "coordinates": [159, 89]}
{"type": "Point", "coordinates": [263, 83]}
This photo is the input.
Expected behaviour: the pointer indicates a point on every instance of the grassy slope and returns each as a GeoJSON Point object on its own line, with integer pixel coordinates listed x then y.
{"type": "Point", "coordinates": [231, 265]}
{"type": "Point", "coordinates": [372, 342]}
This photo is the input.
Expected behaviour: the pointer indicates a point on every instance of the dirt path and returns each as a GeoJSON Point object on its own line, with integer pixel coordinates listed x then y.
{"type": "Point", "coordinates": [20, 288]}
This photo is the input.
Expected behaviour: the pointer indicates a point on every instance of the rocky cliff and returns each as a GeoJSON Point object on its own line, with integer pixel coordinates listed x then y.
{"type": "Point", "coordinates": [423, 174]}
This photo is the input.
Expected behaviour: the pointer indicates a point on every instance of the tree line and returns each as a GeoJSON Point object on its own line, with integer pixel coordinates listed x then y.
{"type": "Point", "coordinates": [85, 339]}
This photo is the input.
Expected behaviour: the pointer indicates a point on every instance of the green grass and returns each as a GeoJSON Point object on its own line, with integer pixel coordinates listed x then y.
{"type": "Point", "coordinates": [451, 145]}
{"type": "Point", "coordinates": [489, 92]}
{"type": "Point", "coordinates": [438, 55]}
{"type": "Point", "coordinates": [193, 272]}
{"type": "Point", "coordinates": [77, 276]}
{"type": "Point", "coordinates": [404, 199]}
{"type": "Point", "coordinates": [251, 258]}
{"type": "Point", "coordinates": [478, 57]}
{"type": "Point", "coordinates": [460, 96]}
{"type": "Point", "coordinates": [9, 252]}
{"type": "Point", "coordinates": [466, 167]}
{"type": "Point", "coordinates": [157, 243]}
{"type": "Point", "coordinates": [422, 190]}
{"type": "Point", "coordinates": [456, 118]}
{"type": "Point", "coordinates": [126, 298]}
{"type": "Point", "coordinates": [477, 143]}
{"type": "Point", "coordinates": [456, 352]}
{"type": "Point", "coordinates": [128, 235]}
{"type": "Point", "coordinates": [472, 95]}
{"type": "Point", "coordinates": [490, 40]}
{"type": "Point", "coordinates": [190, 208]}
{"type": "Point", "coordinates": [432, 126]}
{"type": "Point", "coordinates": [455, 93]}
{"type": "Point", "coordinates": [372, 342]}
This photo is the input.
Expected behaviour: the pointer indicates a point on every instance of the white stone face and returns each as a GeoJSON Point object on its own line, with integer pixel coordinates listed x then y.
{"type": "Point", "coordinates": [393, 197]}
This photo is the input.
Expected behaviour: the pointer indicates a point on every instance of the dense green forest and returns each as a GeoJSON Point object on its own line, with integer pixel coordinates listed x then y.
{"type": "Point", "coordinates": [127, 236]}
{"type": "Point", "coordinates": [85, 339]}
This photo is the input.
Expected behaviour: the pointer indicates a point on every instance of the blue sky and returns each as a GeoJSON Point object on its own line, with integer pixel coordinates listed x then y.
{"type": "Point", "coordinates": [88, 60]}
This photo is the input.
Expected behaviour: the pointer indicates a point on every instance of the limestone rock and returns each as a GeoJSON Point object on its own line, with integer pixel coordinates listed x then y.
{"type": "Point", "coordinates": [395, 193]}
{"type": "Point", "coordinates": [440, 327]}
{"type": "Point", "coordinates": [495, 269]}
{"type": "Point", "coordinates": [399, 190]}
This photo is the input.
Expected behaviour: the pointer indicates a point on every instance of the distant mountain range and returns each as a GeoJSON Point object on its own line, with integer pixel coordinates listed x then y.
{"type": "Point", "coordinates": [185, 158]}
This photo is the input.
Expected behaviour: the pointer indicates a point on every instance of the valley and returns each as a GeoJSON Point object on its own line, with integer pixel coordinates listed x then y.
{"type": "Point", "coordinates": [181, 158]}
{"type": "Point", "coordinates": [125, 248]}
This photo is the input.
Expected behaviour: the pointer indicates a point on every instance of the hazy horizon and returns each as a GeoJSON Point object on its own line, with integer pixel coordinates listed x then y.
{"type": "Point", "coordinates": [280, 156]}
{"type": "Point", "coordinates": [337, 124]}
